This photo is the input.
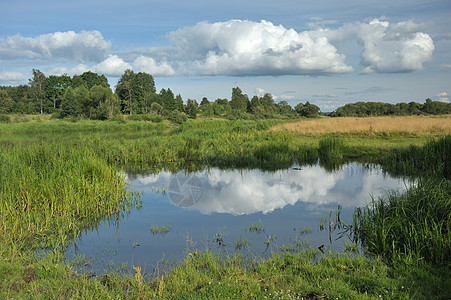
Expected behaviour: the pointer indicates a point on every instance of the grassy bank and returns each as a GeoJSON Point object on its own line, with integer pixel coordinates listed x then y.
{"type": "Point", "coordinates": [48, 191]}
{"type": "Point", "coordinates": [52, 186]}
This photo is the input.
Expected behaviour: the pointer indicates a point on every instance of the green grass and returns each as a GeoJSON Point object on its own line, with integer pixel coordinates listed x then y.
{"type": "Point", "coordinates": [204, 275]}
{"type": "Point", "coordinates": [412, 227]}
{"type": "Point", "coordinates": [49, 191]}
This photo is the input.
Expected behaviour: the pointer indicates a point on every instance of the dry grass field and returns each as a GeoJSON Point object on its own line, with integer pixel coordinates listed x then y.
{"type": "Point", "coordinates": [402, 125]}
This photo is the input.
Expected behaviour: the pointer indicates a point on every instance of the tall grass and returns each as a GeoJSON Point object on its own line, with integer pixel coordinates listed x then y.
{"type": "Point", "coordinates": [432, 159]}
{"type": "Point", "coordinates": [331, 150]}
{"type": "Point", "coordinates": [51, 190]}
{"type": "Point", "coordinates": [414, 226]}
{"type": "Point", "coordinates": [62, 126]}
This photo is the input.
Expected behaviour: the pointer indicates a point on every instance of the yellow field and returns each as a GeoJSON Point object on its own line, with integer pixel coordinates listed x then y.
{"type": "Point", "coordinates": [414, 125]}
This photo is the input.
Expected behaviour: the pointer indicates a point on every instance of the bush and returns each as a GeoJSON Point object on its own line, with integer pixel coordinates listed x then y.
{"type": "Point", "coordinates": [56, 115]}
{"type": "Point", "coordinates": [177, 117]}
{"type": "Point", "coordinates": [4, 118]}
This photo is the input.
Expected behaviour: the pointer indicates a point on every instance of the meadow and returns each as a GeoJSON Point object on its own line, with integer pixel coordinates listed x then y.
{"type": "Point", "coordinates": [58, 178]}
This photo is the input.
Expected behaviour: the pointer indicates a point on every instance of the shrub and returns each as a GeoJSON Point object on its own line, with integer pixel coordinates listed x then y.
{"type": "Point", "coordinates": [4, 118]}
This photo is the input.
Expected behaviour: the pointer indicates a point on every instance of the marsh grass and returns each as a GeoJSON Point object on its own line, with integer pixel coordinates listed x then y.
{"type": "Point", "coordinates": [305, 230]}
{"type": "Point", "coordinates": [163, 229]}
{"type": "Point", "coordinates": [50, 190]}
{"type": "Point", "coordinates": [431, 159]}
{"type": "Point", "coordinates": [257, 227]}
{"type": "Point", "coordinates": [415, 226]}
{"type": "Point", "coordinates": [330, 150]}
{"type": "Point", "coordinates": [241, 243]}
{"type": "Point", "coordinates": [33, 125]}
{"type": "Point", "coordinates": [371, 126]}
{"type": "Point", "coordinates": [412, 227]}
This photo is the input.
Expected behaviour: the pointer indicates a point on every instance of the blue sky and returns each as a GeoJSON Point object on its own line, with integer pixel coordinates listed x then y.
{"type": "Point", "coordinates": [326, 52]}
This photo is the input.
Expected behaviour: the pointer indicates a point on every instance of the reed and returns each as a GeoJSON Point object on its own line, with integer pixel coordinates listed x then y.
{"type": "Point", "coordinates": [52, 190]}
{"type": "Point", "coordinates": [163, 229]}
{"type": "Point", "coordinates": [412, 227]}
{"type": "Point", "coordinates": [330, 150]}
{"type": "Point", "coordinates": [431, 159]}
{"type": "Point", "coordinates": [257, 227]}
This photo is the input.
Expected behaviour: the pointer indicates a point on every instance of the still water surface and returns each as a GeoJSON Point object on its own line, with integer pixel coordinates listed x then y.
{"type": "Point", "coordinates": [203, 206]}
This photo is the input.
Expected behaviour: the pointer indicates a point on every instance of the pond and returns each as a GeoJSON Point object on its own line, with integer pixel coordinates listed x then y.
{"type": "Point", "coordinates": [248, 211]}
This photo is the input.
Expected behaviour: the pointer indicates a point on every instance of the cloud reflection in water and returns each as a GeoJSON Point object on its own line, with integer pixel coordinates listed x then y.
{"type": "Point", "coordinates": [241, 192]}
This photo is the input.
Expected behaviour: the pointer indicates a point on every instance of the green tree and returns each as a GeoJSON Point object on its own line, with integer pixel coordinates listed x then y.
{"type": "Point", "coordinates": [168, 100]}
{"type": "Point", "coordinates": [37, 84]}
{"type": "Point", "coordinates": [204, 101]}
{"type": "Point", "coordinates": [144, 91]}
{"type": "Point", "coordinates": [205, 107]}
{"type": "Point", "coordinates": [192, 108]}
{"type": "Point", "coordinates": [179, 103]}
{"type": "Point", "coordinates": [262, 107]}
{"type": "Point", "coordinates": [22, 98]}
{"type": "Point", "coordinates": [55, 88]}
{"type": "Point", "coordinates": [104, 104]}
{"type": "Point", "coordinates": [124, 90]}
{"type": "Point", "coordinates": [133, 88]}
{"type": "Point", "coordinates": [436, 107]}
{"type": "Point", "coordinates": [221, 106]}
{"type": "Point", "coordinates": [239, 101]}
{"type": "Point", "coordinates": [177, 117]}
{"type": "Point", "coordinates": [86, 105]}
{"type": "Point", "coordinates": [307, 110]}
{"type": "Point", "coordinates": [414, 108]}
{"type": "Point", "coordinates": [285, 109]}
{"type": "Point", "coordinates": [156, 108]}
{"type": "Point", "coordinates": [89, 79]}
{"type": "Point", "coordinates": [6, 102]}
{"type": "Point", "coordinates": [69, 105]}
{"type": "Point", "coordinates": [149, 99]}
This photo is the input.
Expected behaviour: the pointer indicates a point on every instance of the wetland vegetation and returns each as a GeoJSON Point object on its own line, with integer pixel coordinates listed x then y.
{"type": "Point", "coordinates": [59, 177]}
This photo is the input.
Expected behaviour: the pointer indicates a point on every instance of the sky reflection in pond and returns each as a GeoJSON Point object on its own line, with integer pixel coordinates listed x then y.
{"type": "Point", "coordinates": [198, 205]}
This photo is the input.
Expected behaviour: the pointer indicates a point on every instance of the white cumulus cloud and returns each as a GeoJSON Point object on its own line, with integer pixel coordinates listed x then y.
{"type": "Point", "coordinates": [11, 76]}
{"type": "Point", "coordinates": [241, 47]}
{"type": "Point", "coordinates": [149, 65]}
{"type": "Point", "coordinates": [82, 47]}
{"type": "Point", "coordinates": [234, 48]}
{"type": "Point", "coordinates": [387, 48]}
{"type": "Point", "coordinates": [112, 66]}
{"type": "Point", "coordinates": [79, 69]}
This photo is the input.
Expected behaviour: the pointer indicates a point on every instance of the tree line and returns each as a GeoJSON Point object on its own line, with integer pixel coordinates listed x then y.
{"type": "Point", "coordinates": [89, 95]}
{"type": "Point", "coordinates": [362, 109]}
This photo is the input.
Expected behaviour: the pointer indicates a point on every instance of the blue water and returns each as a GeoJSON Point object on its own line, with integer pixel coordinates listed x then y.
{"type": "Point", "coordinates": [198, 206]}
